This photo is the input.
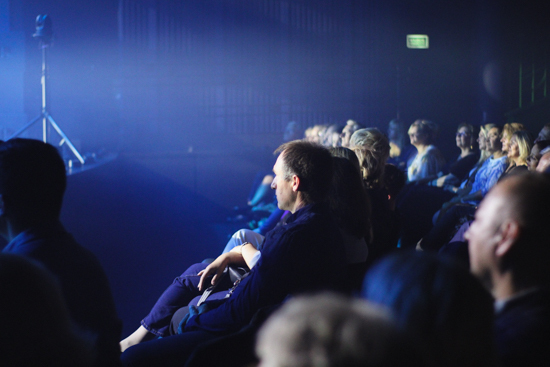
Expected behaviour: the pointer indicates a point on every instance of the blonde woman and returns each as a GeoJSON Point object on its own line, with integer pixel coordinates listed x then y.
{"type": "Point", "coordinates": [372, 148]}
{"type": "Point", "coordinates": [518, 152]}
{"type": "Point", "coordinates": [507, 131]}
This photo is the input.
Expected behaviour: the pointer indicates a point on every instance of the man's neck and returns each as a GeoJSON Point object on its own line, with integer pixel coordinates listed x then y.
{"type": "Point", "coordinates": [298, 204]}
{"type": "Point", "coordinates": [504, 287]}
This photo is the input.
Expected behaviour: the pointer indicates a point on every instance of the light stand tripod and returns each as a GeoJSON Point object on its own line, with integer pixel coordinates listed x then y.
{"type": "Point", "coordinates": [44, 34]}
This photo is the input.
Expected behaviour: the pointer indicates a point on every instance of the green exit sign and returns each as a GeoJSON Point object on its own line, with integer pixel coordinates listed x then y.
{"type": "Point", "coordinates": [419, 41]}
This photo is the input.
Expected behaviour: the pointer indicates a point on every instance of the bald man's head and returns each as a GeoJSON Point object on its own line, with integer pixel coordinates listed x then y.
{"type": "Point", "coordinates": [510, 232]}
{"type": "Point", "coordinates": [544, 162]}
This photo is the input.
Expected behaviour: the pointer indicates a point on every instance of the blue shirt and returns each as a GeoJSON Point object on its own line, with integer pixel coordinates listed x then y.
{"type": "Point", "coordinates": [488, 175]}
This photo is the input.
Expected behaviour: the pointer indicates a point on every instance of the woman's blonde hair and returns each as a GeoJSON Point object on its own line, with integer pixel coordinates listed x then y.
{"type": "Point", "coordinates": [525, 143]}
{"type": "Point", "coordinates": [510, 128]}
{"type": "Point", "coordinates": [484, 154]}
{"type": "Point", "coordinates": [372, 148]}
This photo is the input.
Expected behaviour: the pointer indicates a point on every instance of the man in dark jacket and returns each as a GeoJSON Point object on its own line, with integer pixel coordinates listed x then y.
{"type": "Point", "coordinates": [509, 252]}
{"type": "Point", "coordinates": [304, 255]}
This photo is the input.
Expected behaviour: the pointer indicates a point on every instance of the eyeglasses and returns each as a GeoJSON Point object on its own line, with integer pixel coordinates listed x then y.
{"type": "Point", "coordinates": [462, 134]}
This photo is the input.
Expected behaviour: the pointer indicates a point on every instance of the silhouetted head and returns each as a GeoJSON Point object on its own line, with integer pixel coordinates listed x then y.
{"type": "Point", "coordinates": [32, 180]}
{"type": "Point", "coordinates": [439, 303]}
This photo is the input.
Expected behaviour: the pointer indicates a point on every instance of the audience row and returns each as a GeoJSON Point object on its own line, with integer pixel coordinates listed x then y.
{"type": "Point", "coordinates": [348, 221]}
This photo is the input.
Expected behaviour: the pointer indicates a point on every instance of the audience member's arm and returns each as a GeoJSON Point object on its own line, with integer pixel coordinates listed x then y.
{"type": "Point", "coordinates": [238, 256]}
{"type": "Point", "coordinates": [474, 196]}
{"type": "Point", "coordinates": [449, 179]}
{"type": "Point", "coordinates": [248, 252]}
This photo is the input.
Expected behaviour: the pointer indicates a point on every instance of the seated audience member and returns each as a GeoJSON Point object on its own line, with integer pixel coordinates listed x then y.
{"type": "Point", "coordinates": [544, 134]}
{"type": "Point", "coordinates": [461, 208]}
{"type": "Point", "coordinates": [348, 203]}
{"type": "Point", "coordinates": [278, 216]}
{"type": "Point", "coordinates": [416, 222]}
{"type": "Point", "coordinates": [32, 184]}
{"type": "Point", "coordinates": [509, 252]}
{"type": "Point", "coordinates": [544, 162]}
{"type": "Point", "coordinates": [518, 152]}
{"type": "Point", "coordinates": [439, 304]}
{"type": "Point", "coordinates": [401, 151]}
{"type": "Point", "coordinates": [319, 133]}
{"type": "Point", "coordinates": [327, 330]}
{"type": "Point", "coordinates": [485, 152]}
{"type": "Point", "coordinates": [348, 130]}
{"type": "Point", "coordinates": [331, 136]}
{"type": "Point", "coordinates": [457, 171]}
{"type": "Point", "coordinates": [303, 174]}
{"type": "Point", "coordinates": [507, 131]}
{"type": "Point", "coordinates": [489, 173]}
{"type": "Point", "coordinates": [428, 160]}
{"type": "Point", "coordinates": [534, 158]}
{"type": "Point", "coordinates": [482, 138]}
{"type": "Point", "coordinates": [372, 149]}
{"type": "Point", "coordinates": [350, 206]}
{"type": "Point", "coordinates": [38, 330]}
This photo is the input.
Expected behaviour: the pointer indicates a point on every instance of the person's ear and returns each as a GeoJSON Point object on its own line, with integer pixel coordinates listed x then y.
{"type": "Point", "coordinates": [510, 232]}
{"type": "Point", "coordinates": [296, 183]}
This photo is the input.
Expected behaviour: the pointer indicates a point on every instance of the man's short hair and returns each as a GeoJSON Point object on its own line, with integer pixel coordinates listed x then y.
{"type": "Point", "coordinates": [32, 178]}
{"type": "Point", "coordinates": [312, 163]}
{"type": "Point", "coordinates": [528, 197]}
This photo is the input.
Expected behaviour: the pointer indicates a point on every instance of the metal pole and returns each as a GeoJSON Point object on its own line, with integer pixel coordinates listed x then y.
{"type": "Point", "coordinates": [43, 81]}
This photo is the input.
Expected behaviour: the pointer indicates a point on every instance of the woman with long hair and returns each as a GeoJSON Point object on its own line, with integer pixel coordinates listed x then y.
{"type": "Point", "coordinates": [518, 152]}
{"type": "Point", "coordinates": [372, 149]}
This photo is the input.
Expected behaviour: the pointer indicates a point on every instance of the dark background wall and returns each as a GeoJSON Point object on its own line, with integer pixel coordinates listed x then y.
{"type": "Point", "coordinates": [194, 96]}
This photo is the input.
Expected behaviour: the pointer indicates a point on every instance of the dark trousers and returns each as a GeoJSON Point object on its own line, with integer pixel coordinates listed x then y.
{"type": "Point", "coordinates": [445, 227]}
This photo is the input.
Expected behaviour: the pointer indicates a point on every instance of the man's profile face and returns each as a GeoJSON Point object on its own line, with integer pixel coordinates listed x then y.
{"type": "Point", "coordinates": [286, 196]}
{"type": "Point", "coordinates": [484, 234]}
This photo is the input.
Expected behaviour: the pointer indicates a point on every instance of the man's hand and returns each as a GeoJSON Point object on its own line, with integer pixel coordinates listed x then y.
{"type": "Point", "coordinates": [217, 267]}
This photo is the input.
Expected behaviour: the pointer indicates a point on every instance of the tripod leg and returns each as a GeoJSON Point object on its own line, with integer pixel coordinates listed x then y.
{"type": "Point", "coordinates": [22, 130]}
{"type": "Point", "coordinates": [66, 139]}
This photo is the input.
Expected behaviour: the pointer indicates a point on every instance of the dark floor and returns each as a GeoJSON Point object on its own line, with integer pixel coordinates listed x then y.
{"type": "Point", "coordinates": [145, 229]}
